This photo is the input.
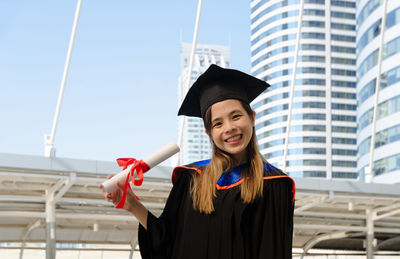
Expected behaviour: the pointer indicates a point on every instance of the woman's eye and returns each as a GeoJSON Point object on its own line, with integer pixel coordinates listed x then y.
{"type": "Point", "coordinates": [217, 124]}
{"type": "Point", "coordinates": [236, 116]}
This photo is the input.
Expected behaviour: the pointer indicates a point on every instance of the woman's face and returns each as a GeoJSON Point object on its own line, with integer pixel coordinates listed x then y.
{"type": "Point", "coordinates": [231, 128]}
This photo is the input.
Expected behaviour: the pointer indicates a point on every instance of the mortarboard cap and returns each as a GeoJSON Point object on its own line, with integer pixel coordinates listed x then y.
{"type": "Point", "coordinates": [218, 84]}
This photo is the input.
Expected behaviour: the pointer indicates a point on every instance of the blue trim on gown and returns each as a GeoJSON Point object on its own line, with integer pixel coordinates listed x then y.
{"type": "Point", "coordinates": [228, 178]}
{"type": "Point", "coordinates": [234, 175]}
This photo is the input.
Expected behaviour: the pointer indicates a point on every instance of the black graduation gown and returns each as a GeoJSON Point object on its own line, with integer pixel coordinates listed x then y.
{"type": "Point", "coordinates": [262, 229]}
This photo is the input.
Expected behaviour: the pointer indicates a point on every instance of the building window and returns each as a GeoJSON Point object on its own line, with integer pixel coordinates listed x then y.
{"type": "Point", "coordinates": [369, 35]}
{"type": "Point", "coordinates": [345, 175]}
{"type": "Point", "coordinates": [274, 41]}
{"type": "Point", "coordinates": [382, 138]}
{"type": "Point", "coordinates": [274, 18]}
{"type": "Point", "coordinates": [344, 106]}
{"type": "Point", "coordinates": [319, 174]}
{"type": "Point", "coordinates": [317, 24]}
{"type": "Point", "coordinates": [343, 3]}
{"type": "Point", "coordinates": [387, 165]}
{"type": "Point", "coordinates": [313, 12]}
{"type": "Point", "coordinates": [336, 117]}
{"type": "Point", "coordinates": [343, 26]}
{"type": "Point", "coordinates": [302, 128]}
{"type": "Point", "coordinates": [274, 154]}
{"type": "Point", "coordinates": [307, 151]}
{"type": "Point", "coordinates": [341, 49]}
{"type": "Point", "coordinates": [319, 47]}
{"type": "Point", "coordinates": [314, 1]}
{"type": "Point", "coordinates": [371, 6]}
{"type": "Point", "coordinates": [271, 122]}
{"type": "Point", "coordinates": [341, 163]}
{"type": "Point", "coordinates": [306, 162]}
{"type": "Point", "coordinates": [310, 139]}
{"type": "Point", "coordinates": [346, 141]}
{"type": "Point", "coordinates": [344, 152]}
{"type": "Point", "coordinates": [344, 61]}
{"type": "Point", "coordinates": [312, 35]}
{"type": "Point", "coordinates": [272, 7]}
{"type": "Point", "coordinates": [343, 15]}
{"type": "Point", "coordinates": [320, 59]}
{"type": "Point", "coordinates": [299, 105]}
{"type": "Point", "coordinates": [272, 132]}
{"type": "Point", "coordinates": [271, 99]}
{"type": "Point", "coordinates": [346, 38]}
{"type": "Point", "coordinates": [343, 72]}
{"type": "Point", "coordinates": [384, 109]}
{"type": "Point", "coordinates": [391, 48]}
{"type": "Point", "coordinates": [277, 28]}
{"type": "Point", "coordinates": [273, 53]}
{"type": "Point", "coordinates": [274, 64]}
{"type": "Point", "coordinates": [311, 70]}
{"type": "Point", "coordinates": [344, 129]}
{"type": "Point", "coordinates": [309, 116]}
{"type": "Point", "coordinates": [388, 78]}
{"type": "Point", "coordinates": [272, 109]}
{"type": "Point", "coordinates": [343, 84]}
{"type": "Point", "coordinates": [272, 143]}
{"type": "Point", "coordinates": [342, 95]}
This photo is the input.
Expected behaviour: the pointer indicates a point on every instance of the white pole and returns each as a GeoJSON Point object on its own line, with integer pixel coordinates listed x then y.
{"type": "Point", "coordinates": [328, 91]}
{"type": "Point", "coordinates": [370, 239]}
{"type": "Point", "coordinates": [370, 168]}
{"type": "Point", "coordinates": [49, 140]}
{"type": "Point", "coordinates": [50, 225]}
{"type": "Point", "coordinates": [289, 118]}
{"type": "Point", "coordinates": [189, 77]}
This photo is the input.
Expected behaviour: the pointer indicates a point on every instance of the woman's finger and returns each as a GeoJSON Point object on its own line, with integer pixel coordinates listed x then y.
{"type": "Point", "coordinates": [120, 185]}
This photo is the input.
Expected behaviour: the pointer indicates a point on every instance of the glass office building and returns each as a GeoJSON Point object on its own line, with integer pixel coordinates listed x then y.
{"type": "Point", "coordinates": [195, 144]}
{"type": "Point", "coordinates": [370, 63]}
{"type": "Point", "coordinates": [323, 131]}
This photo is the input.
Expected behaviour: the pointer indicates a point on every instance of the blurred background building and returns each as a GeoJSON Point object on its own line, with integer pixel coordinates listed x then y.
{"type": "Point", "coordinates": [323, 132]}
{"type": "Point", "coordinates": [370, 63]}
{"type": "Point", "coordinates": [195, 145]}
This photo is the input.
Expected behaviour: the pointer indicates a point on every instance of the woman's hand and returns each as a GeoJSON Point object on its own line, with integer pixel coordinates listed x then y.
{"type": "Point", "coordinates": [131, 204]}
{"type": "Point", "coordinates": [114, 196]}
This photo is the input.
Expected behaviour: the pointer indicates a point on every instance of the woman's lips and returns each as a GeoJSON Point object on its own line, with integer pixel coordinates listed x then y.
{"type": "Point", "coordinates": [234, 139]}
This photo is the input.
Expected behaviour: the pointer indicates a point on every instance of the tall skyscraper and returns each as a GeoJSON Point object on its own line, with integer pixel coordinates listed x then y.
{"type": "Point", "coordinates": [370, 63]}
{"type": "Point", "coordinates": [323, 132]}
{"type": "Point", "coordinates": [195, 143]}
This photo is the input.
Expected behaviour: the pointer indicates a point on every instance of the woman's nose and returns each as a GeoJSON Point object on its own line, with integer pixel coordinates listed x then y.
{"type": "Point", "coordinates": [229, 127]}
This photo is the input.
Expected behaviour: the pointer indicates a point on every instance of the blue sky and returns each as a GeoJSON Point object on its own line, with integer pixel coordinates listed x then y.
{"type": "Point", "coordinates": [121, 95]}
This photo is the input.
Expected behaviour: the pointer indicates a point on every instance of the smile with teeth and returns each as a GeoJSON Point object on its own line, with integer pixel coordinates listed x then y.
{"type": "Point", "coordinates": [234, 138]}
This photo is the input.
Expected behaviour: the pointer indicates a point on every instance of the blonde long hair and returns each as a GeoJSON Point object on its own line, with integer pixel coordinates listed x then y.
{"type": "Point", "coordinates": [203, 189]}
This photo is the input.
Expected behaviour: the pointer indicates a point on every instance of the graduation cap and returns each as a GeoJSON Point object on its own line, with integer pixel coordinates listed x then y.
{"type": "Point", "coordinates": [218, 84]}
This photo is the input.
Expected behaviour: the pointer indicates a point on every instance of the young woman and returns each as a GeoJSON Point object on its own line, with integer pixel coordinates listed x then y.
{"type": "Point", "coordinates": [235, 205]}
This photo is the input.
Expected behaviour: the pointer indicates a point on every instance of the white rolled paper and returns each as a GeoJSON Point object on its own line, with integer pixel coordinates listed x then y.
{"type": "Point", "coordinates": [152, 160]}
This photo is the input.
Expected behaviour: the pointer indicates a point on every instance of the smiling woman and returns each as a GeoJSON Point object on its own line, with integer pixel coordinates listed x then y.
{"type": "Point", "coordinates": [235, 205]}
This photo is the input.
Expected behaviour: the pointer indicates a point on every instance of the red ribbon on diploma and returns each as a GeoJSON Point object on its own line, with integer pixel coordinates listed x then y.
{"type": "Point", "coordinates": [140, 166]}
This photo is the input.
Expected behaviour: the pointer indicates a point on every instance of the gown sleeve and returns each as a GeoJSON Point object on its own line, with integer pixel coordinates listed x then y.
{"type": "Point", "coordinates": [156, 241]}
{"type": "Point", "coordinates": [269, 228]}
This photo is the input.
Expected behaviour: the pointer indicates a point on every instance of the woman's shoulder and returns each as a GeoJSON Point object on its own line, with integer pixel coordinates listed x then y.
{"type": "Point", "coordinates": [272, 171]}
{"type": "Point", "coordinates": [273, 174]}
{"type": "Point", "coordinates": [189, 169]}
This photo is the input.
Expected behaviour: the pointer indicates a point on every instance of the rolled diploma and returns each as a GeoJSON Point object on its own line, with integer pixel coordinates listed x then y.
{"type": "Point", "coordinates": [152, 160]}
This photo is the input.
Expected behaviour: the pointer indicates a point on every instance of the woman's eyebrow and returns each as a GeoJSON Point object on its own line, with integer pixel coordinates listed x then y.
{"type": "Point", "coordinates": [234, 111]}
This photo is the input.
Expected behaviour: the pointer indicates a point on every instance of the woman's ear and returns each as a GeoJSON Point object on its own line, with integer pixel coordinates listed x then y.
{"type": "Point", "coordinates": [254, 118]}
{"type": "Point", "coordinates": [207, 132]}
